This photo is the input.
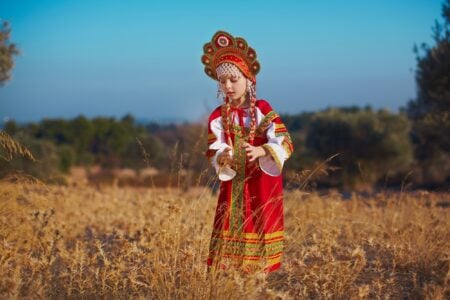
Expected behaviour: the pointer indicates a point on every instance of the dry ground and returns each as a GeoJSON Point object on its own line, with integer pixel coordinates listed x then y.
{"type": "Point", "coordinates": [85, 242]}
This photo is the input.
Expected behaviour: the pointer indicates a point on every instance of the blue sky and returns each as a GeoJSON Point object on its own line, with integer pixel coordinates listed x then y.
{"type": "Point", "coordinates": [111, 58]}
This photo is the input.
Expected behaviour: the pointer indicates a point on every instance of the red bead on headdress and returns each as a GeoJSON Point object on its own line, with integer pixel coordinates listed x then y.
{"type": "Point", "coordinates": [226, 48]}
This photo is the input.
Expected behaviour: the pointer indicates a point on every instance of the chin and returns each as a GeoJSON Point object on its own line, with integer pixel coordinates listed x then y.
{"type": "Point", "coordinates": [235, 98]}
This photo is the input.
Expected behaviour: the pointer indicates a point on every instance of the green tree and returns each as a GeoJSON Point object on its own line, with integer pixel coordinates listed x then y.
{"type": "Point", "coordinates": [57, 130]}
{"type": "Point", "coordinates": [67, 158]}
{"type": "Point", "coordinates": [7, 52]}
{"type": "Point", "coordinates": [430, 111]}
{"type": "Point", "coordinates": [370, 144]}
{"type": "Point", "coordinates": [298, 126]}
{"type": "Point", "coordinates": [81, 133]}
{"type": "Point", "coordinates": [112, 138]}
{"type": "Point", "coordinates": [145, 151]}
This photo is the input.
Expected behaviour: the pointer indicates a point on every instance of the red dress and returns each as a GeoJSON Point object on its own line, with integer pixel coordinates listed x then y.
{"type": "Point", "coordinates": [248, 224]}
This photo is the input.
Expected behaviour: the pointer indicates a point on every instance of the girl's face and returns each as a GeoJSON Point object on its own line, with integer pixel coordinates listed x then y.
{"type": "Point", "coordinates": [234, 86]}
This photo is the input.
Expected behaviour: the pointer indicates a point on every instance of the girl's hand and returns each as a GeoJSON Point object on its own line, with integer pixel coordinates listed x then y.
{"type": "Point", "coordinates": [225, 158]}
{"type": "Point", "coordinates": [253, 152]}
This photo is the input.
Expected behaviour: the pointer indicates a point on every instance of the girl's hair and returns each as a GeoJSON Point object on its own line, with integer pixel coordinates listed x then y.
{"type": "Point", "coordinates": [251, 134]}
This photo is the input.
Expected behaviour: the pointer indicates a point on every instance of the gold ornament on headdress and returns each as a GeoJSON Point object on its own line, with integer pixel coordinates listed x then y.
{"type": "Point", "coordinates": [226, 48]}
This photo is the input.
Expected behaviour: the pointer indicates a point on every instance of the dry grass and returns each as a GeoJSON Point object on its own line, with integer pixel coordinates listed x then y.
{"type": "Point", "coordinates": [9, 147]}
{"type": "Point", "coordinates": [82, 242]}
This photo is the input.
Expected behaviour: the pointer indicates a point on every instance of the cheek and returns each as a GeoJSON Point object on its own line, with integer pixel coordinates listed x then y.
{"type": "Point", "coordinates": [242, 87]}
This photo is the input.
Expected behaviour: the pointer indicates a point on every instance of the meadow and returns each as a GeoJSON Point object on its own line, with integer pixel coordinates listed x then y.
{"type": "Point", "coordinates": [81, 241]}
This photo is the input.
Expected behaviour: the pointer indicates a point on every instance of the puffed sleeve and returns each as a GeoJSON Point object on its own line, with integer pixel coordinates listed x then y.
{"type": "Point", "coordinates": [279, 145]}
{"type": "Point", "coordinates": [216, 142]}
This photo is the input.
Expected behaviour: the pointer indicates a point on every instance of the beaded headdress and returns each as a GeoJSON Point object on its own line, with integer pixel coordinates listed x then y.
{"type": "Point", "coordinates": [224, 48]}
{"type": "Point", "coordinates": [228, 55]}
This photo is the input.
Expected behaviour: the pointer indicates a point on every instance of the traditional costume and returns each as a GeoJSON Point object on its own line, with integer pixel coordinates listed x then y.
{"type": "Point", "coordinates": [248, 224]}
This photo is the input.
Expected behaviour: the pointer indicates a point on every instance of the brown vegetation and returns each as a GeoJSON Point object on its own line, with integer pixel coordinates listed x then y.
{"type": "Point", "coordinates": [85, 242]}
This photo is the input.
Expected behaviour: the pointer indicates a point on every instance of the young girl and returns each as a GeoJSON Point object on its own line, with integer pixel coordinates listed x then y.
{"type": "Point", "coordinates": [247, 145]}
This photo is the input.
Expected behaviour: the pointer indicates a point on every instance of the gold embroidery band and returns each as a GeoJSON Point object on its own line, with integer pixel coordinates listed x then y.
{"type": "Point", "coordinates": [250, 235]}
{"type": "Point", "coordinates": [265, 122]}
{"type": "Point", "coordinates": [280, 128]}
{"type": "Point", "coordinates": [211, 138]}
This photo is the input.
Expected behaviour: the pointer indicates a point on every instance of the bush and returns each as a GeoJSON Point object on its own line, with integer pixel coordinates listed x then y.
{"type": "Point", "coordinates": [370, 144]}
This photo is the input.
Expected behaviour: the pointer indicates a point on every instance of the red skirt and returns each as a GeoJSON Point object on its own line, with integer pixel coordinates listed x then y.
{"type": "Point", "coordinates": [248, 224]}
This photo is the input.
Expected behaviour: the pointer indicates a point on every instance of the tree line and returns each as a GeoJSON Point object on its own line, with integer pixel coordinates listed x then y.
{"type": "Point", "coordinates": [370, 148]}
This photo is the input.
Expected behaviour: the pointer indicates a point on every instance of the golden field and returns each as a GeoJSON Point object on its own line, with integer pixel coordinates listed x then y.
{"type": "Point", "coordinates": [70, 242]}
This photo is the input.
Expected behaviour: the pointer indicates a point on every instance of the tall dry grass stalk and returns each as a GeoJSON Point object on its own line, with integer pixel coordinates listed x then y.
{"type": "Point", "coordinates": [9, 147]}
{"type": "Point", "coordinates": [83, 242]}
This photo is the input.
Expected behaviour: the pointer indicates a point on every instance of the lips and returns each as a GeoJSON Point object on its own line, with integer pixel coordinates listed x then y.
{"type": "Point", "coordinates": [230, 93]}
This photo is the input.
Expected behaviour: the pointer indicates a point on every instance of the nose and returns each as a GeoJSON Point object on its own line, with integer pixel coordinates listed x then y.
{"type": "Point", "coordinates": [228, 84]}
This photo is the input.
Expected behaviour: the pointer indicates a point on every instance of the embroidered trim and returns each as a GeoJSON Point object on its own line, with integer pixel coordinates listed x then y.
{"type": "Point", "coordinates": [211, 138]}
{"type": "Point", "coordinates": [237, 186]}
{"type": "Point", "coordinates": [280, 129]}
{"type": "Point", "coordinates": [257, 249]}
{"type": "Point", "coordinates": [250, 235]}
{"type": "Point", "coordinates": [287, 145]}
{"type": "Point", "coordinates": [265, 122]}
{"type": "Point", "coordinates": [246, 253]}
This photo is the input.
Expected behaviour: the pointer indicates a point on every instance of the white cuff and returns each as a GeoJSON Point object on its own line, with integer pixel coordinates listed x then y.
{"type": "Point", "coordinates": [272, 164]}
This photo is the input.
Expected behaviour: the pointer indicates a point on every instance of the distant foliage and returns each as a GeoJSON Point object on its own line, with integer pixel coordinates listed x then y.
{"type": "Point", "coordinates": [370, 144]}
{"type": "Point", "coordinates": [430, 111]}
{"type": "Point", "coordinates": [106, 142]}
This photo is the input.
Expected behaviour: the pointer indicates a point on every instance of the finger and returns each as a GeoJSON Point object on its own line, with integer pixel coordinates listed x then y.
{"type": "Point", "coordinates": [227, 152]}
